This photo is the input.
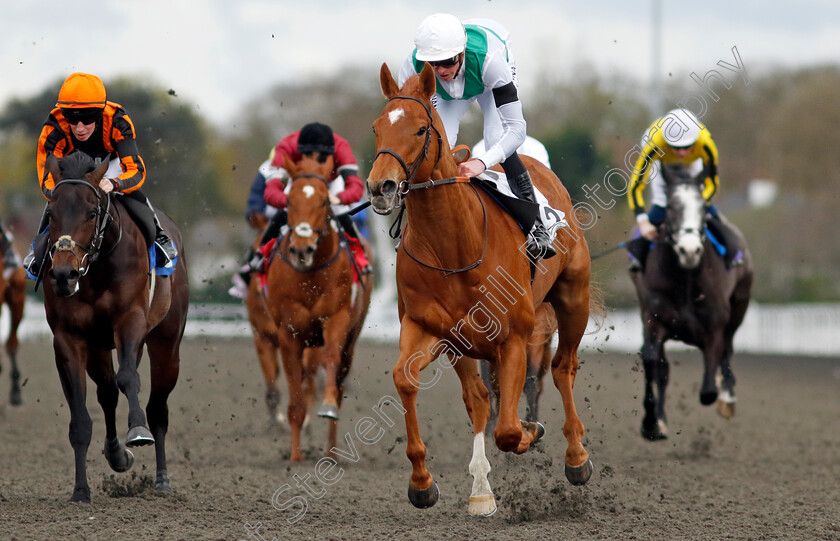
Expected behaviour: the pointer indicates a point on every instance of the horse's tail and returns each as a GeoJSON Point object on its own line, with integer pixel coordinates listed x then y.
{"type": "Point", "coordinates": [597, 307]}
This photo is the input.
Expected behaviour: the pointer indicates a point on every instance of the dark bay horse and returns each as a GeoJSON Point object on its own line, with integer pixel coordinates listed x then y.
{"type": "Point", "coordinates": [687, 294]}
{"type": "Point", "coordinates": [464, 287]}
{"type": "Point", "coordinates": [13, 294]}
{"type": "Point", "coordinates": [317, 309]}
{"type": "Point", "coordinates": [99, 299]}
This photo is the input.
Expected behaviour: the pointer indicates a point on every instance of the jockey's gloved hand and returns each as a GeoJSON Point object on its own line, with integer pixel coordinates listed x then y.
{"type": "Point", "coordinates": [647, 229]}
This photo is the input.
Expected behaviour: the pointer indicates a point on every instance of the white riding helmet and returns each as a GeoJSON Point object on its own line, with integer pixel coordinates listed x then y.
{"type": "Point", "coordinates": [439, 37]}
{"type": "Point", "coordinates": [680, 128]}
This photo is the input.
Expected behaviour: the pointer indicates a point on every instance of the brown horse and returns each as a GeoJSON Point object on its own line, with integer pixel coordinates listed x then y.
{"type": "Point", "coordinates": [317, 310]}
{"type": "Point", "coordinates": [464, 286]}
{"type": "Point", "coordinates": [13, 294]}
{"type": "Point", "coordinates": [99, 299]}
{"type": "Point", "coordinates": [686, 293]}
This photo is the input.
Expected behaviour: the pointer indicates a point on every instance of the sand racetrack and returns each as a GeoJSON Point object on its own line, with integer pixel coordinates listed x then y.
{"type": "Point", "coordinates": [772, 472]}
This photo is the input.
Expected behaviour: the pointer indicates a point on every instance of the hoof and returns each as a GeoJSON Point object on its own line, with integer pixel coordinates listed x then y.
{"type": "Point", "coordinates": [726, 409]}
{"type": "Point", "coordinates": [540, 432]}
{"type": "Point", "coordinates": [483, 506]}
{"type": "Point", "coordinates": [579, 475]}
{"type": "Point", "coordinates": [657, 432]}
{"type": "Point", "coordinates": [328, 410]}
{"type": "Point", "coordinates": [139, 436]}
{"type": "Point", "coordinates": [81, 495]}
{"type": "Point", "coordinates": [162, 484]}
{"type": "Point", "coordinates": [708, 398]}
{"type": "Point", "coordinates": [118, 458]}
{"type": "Point", "coordinates": [423, 499]}
{"type": "Point", "coordinates": [15, 397]}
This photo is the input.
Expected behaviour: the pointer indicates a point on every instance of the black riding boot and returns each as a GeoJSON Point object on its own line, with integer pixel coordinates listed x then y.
{"type": "Point", "coordinates": [726, 237]}
{"type": "Point", "coordinates": [165, 245]}
{"type": "Point", "coordinates": [539, 241]}
{"type": "Point", "coordinates": [348, 225]}
{"type": "Point", "coordinates": [638, 249]}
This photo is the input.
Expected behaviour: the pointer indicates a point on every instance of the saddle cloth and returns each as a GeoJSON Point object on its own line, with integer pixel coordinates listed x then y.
{"type": "Point", "coordinates": [523, 211]}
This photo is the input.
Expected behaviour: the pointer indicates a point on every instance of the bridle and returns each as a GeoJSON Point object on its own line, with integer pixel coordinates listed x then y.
{"type": "Point", "coordinates": [406, 186]}
{"type": "Point", "coordinates": [321, 231]}
{"type": "Point", "coordinates": [65, 243]}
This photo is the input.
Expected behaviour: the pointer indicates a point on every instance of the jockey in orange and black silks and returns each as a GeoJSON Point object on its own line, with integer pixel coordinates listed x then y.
{"type": "Point", "coordinates": [109, 135]}
{"type": "Point", "coordinates": [84, 120]}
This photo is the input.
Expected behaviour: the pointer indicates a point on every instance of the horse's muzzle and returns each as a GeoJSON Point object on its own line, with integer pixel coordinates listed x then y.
{"type": "Point", "coordinates": [65, 283]}
{"type": "Point", "coordinates": [384, 197]}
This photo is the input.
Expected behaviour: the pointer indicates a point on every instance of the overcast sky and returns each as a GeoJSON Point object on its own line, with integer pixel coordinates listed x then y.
{"type": "Point", "coordinates": [221, 53]}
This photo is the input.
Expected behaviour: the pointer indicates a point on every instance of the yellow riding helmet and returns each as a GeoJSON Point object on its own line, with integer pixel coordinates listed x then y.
{"type": "Point", "coordinates": [82, 91]}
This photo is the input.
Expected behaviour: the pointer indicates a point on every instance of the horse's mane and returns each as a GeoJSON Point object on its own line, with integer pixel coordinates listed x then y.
{"type": "Point", "coordinates": [76, 165]}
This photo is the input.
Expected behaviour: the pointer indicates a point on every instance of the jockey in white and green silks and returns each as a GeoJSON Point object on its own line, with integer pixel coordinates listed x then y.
{"type": "Point", "coordinates": [473, 61]}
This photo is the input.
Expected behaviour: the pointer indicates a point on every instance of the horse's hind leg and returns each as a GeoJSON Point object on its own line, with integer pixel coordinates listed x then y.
{"type": "Point", "coordinates": [101, 370]}
{"type": "Point", "coordinates": [539, 360]}
{"type": "Point", "coordinates": [70, 359]}
{"type": "Point", "coordinates": [164, 365]}
{"type": "Point", "coordinates": [570, 299]}
{"type": "Point", "coordinates": [491, 383]}
{"type": "Point", "coordinates": [477, 401]}
{"type": "Point", "coordinates": [656, 379]}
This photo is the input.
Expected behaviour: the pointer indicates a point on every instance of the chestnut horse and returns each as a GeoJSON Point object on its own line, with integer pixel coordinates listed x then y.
{"type": "Point", "coordinates": [464, 286]}
{"type": "Point", "coordinates": [686, 293]}
{"type": "Point", "coordinates": [13, 292]}
{"type": "Point", "coordinates": [317, 309]}
{"type": "Point", "coordinates": [265, 334]}
{"type": "Point", "coordinates": [99, 299]}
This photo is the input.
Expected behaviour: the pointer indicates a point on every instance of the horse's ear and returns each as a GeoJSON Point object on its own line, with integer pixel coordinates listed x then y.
{"type": "Point", "coordinates": [386, 80]}
{"type": "Point", "coordinates": [461, 153]}
{"type": "Point", "coordinates": [428, 84]}
{"type": "Point", "coordinates": [289, 165]}
{"type": "Point", "coordinates": [94, 176]}
{"type": "Point", "coordinates": [51, 166]}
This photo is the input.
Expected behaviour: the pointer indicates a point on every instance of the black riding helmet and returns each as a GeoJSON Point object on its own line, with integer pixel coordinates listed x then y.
{"type": "Point", "coordinates": [316, 137]}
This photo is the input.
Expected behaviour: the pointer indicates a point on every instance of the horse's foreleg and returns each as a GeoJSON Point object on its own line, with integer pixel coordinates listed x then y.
{"type": "Point", "coordinates": [100, 367]}
{"type": "Point", "coordinates": [415, 344]}
{"type": "Point", "coordinates": [335, 331]}
{"type": "Point", "coordinates": [15, 298]}
{"type": "Point", "coordinates": [656, 379]}
{"type": "Point", "coordinates": [128, 337]}
{"type": "Point", "coordinates": [292, 352]}
{"type": "Point", "coordinates": [70, 359]}
{"type": "Point", "coordinates": [477, 401]}
{"type": "Point", "coordinates": [713, 353]}
{"type": "Point", "coordinates": [511, 369]}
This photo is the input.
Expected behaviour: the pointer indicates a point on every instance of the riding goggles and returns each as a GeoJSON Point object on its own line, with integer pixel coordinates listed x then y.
{"type": "Point", "coordinates": [448, 63]}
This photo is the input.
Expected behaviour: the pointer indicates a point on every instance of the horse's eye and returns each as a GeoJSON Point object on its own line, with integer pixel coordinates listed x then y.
{"type": "Point", "coordinates": [373, 129]}
{"type": "Point", "coordinates": [421, 131]}
{"type": "Point", "coordinates": [91, 215]}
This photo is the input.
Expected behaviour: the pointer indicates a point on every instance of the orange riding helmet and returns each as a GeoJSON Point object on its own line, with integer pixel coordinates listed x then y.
{"type": "Point", "coordinates": [82, 91]}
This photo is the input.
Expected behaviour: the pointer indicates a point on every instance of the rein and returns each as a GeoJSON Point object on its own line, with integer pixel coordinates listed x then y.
{"type": "Point", "coordinates": [406, 186]}
{"type": "Point", "coordinates": [65, 243]}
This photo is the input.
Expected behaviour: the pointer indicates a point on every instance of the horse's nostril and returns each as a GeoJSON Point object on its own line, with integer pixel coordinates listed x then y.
{"type": "Point", "coordinates": [389, 187]}
{"type": "Point", "coordinates": [74, 275]}
{"type": "Point", "coordinates": [310, 250]}
{"type": "Point", "coordinates": [292, 250]}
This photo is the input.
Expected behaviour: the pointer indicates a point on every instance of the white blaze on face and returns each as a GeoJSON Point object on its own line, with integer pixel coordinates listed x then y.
{"type": "Point", "coordinates": [689, 239]}
{"type": "Point", "coordinates": [303, 229]}
{"type": "Point", "coordinates": [395, 115]}
{"type": "Point", "coordinates": [309, 191]}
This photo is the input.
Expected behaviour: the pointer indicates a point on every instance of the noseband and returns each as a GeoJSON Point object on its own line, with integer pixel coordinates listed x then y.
{"type": "Point", "coordinates": [65, 243]}
{"type": "Point", "coordinates": [322, 231]}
